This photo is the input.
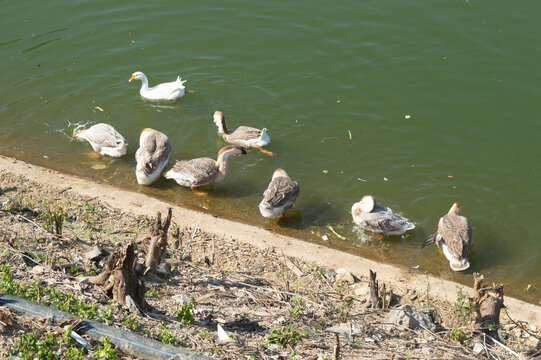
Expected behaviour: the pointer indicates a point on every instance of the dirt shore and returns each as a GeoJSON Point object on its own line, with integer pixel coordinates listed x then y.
{"type": "Point", "coordinates": [250, 281]}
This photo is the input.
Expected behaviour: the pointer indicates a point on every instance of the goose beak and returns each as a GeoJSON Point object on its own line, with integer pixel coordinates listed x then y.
{"type": "Point", "coordinates": [131, 79]}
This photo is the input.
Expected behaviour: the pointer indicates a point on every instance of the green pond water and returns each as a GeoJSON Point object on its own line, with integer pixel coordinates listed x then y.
{"type": "Point", "coordinates": [333, 82]}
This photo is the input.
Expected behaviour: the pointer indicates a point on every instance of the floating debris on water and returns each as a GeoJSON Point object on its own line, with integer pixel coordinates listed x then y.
{"type": "Point", "coordinates": [335, 233]}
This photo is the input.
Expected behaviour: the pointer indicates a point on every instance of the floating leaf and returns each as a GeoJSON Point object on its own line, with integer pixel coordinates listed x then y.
{"type": "Point", "coordinates": [528, 287]}
{"type": "Point", "coordinates": [325, 171]}
{"type": "Point", "coordinates": [335, 233]}
{"type": "Point", "coordinates": [349, 132]}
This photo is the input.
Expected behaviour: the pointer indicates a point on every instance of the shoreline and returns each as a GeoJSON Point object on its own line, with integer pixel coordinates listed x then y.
{"type": "Point", "coordinates": [143, 205]}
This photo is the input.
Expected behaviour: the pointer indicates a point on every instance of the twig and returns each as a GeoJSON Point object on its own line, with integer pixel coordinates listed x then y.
{"type": "Point", "coordinates": [520, 326]}
{"type": "Point", "coordinates": [336, 352]}
{"type": "Point", "coordinates": [41, 228]}
{"type": "Point", "coordinates": [281, 292]}
{"type": "Point", "coordinates": [503, 346]}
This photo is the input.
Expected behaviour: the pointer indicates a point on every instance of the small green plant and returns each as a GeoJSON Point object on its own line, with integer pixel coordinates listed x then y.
{"type": "Point", "coordinates": [54, 220]}
{"type": "Point", "coordinates": [458, 335]}
{"type": "Point", "coordinates": [165, 336]}
{"type": "Point", "coordinates": [342, 309]}
{"type": "Point", "coordinates": [69, 303]}
{"type": "Point", "coordinates": [296, 311]}
{"type": "Point", "coordinates": [291, 356]}
{"type": "Point", "coordinates": [132, 322]}
{"type": "Point", "coordinates": [152, 293]}
{"type": "Point", "coordinates": [203, 334]}
{"type": "Point", "coordinates": [31, 346]}
{"type": "Point", "coordinates": [74, 270]}
{"type": "Point", "coordinates": [104, 350]}
{"type": "Point", "coordinates": [74, 353]}
{"type": "Point", "coordinates": [464, 309]}
{"type": "Point", "coordinates": [91, 210]}
{"type": "Point", "coordinates": [185, 313]}
{"type": "Point", "coordinates": [283, 337]}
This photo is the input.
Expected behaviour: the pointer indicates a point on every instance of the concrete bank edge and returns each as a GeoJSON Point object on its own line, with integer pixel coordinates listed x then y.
{"type": "Point", "coordinates": [140, 204]}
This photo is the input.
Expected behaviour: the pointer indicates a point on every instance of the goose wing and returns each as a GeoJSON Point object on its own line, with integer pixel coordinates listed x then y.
{"type": "Point", "coordinates": [382, 220]}
{"type": "Point", "coordinates": [457, 234]}
{"type": "Point", "coordinates": [244, 133]}
{"type": "Point", "coordinates": [154, 151]}
{"type": "Point", "coordinates": [197, 172]}
{"type": "Point", "coordinates": [104, 135]}
{"type": "Point", "coordinates": [281, 191]}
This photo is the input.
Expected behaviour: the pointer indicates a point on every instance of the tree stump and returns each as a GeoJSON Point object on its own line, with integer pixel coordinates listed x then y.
{"type": "Point", "coordinates": [119, 278]}
{"type": "Point", "coordinates": [488, 304]}
{"type": "Point", "coordinates": [158, 241]}
{"type": "Point", "coordinates": [374, 291]}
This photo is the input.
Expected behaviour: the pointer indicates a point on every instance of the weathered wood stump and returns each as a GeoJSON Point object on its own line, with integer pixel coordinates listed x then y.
{"type": "Point", "coordinates": [158, 241]}
{"type": "Point", "coordinates": [489, 302]}
{"type": "Point", "coordinates": [374, 290]}
{"type": "Point", "coordinates": [119, 278]}
{"type": "Point", "coordinates": [380, 297]}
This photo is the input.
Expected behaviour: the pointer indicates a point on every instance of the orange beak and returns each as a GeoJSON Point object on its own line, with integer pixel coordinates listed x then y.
{"type": "Point", "coordinates": [131, 79]}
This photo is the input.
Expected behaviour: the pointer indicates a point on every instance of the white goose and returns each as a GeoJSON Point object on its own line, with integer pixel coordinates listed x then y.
{"type": "Point", "coordinates": [152, 156]}
{"type": "Point", "coordinates": [244, 136]}
{"type": "Point", "coordinates": [454, 238]}
{"type": "Point", "coordinates": [104, 139]}
{"type": "Point", "coordinates": [378, 218]}
{"type": "Point", "coordinates": [203, 171]}
{"type": "Point", "coordinates": [167, 91]}
{"type": "Point", "coordinates": [279, 196]}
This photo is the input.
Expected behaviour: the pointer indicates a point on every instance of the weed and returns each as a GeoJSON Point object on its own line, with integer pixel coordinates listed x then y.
{"type": "Point", "coordinates": [54, 220]}
{"type": "Point", "coordinates": [215, 349]}
{"type": "Point", "coordinates": [132, 322]}
{"type": "Point", "coordinates": [152, 292]}
{"type": "Point", "coordinates": [91, 210]}
{"type": "Point", "coordinates": [74, 353]}
{"type": "Point", "coordinates": [458, 335]}
{"type": "Point", "coordinates": [296, 311]}
{"type": "Point", "coordinates": [283, 337]}
{"type": "Point", "coordinates": [203, 334]}
{"type": "Point", "coordinates": [74, 270]}
{"type": "Point", "coordinates": [291, 356]}
{"type": "Point", "coordinates": [342, 309]}
{"type": "Point", "coordinates": [104, 350]}
{"type": "Point", "coordinates": [32, 346]}
{"type": "Point", "coordinates": [185, 313]}
{"type": "Point", "coordinates": [464, 309]}
{"type": "Point", "coordinates": [165, 336]}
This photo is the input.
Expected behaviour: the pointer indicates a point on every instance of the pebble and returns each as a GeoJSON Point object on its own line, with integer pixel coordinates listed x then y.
{"type": "Point", "coordinates": [361, 290]}
{"type": "Point", "coordinates": [344, 276]}
{"type": "Point", "coordinates": [478, 348]}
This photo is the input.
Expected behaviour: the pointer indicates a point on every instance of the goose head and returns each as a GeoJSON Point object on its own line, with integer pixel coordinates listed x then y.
{"type": "Point", "coordinates": [219, 120]}
{"type": "Point", "coordinates": [279, 173]}
{"type": "Point", "coordinates": [137, 76]}
{"type": "Point", "coordinates": [229, 150]}
{"type": "Point", "coordinates": [367, 203]}
{"type": "Point", "coordinates": [145, 133]}
{"type": "Point", "coordinates": [455, 209]}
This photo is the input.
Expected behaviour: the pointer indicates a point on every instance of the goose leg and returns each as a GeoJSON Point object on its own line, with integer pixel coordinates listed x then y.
{"type": "Point", "coordinates": [94, 155]}
{"type": "Point", "coordinates": [199, 192]}
{"type": "Point", "coordinates": [264, 151]}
